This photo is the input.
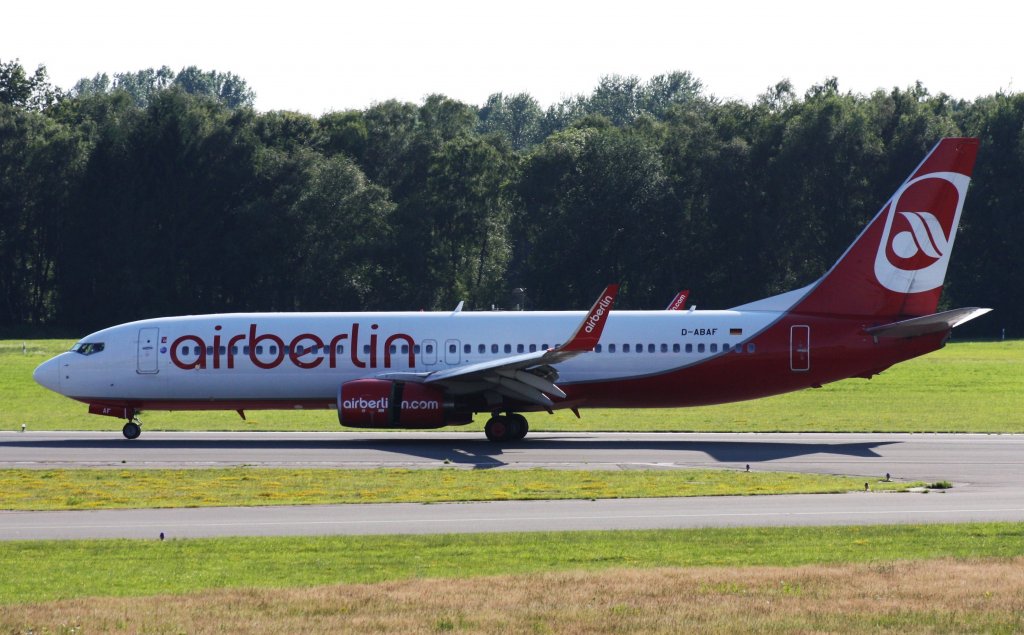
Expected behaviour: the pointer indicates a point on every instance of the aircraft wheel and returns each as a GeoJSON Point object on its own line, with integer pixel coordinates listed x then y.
{"type": "Point", "coordinates": [521, 426]}
{"type": "Point", "coordinates": [515, 427]}
{"type": "Point", "coordinates": [497, 429]}
{"type": "Point", "coordinates": [131, 430]}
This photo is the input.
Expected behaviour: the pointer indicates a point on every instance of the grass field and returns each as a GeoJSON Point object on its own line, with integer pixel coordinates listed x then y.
{"type": "Point", "coordinates": [109, 489]}
{"type": "Point", "coordinates": [965, 387]}
{"type": "Point", "coordinates": [933, 596]}
{"type": "Point", "coordinates": [52, 570]}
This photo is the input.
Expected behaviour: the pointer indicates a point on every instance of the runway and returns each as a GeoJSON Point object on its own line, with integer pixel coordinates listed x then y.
{"type": "Point", "coordinates": [987, 471]}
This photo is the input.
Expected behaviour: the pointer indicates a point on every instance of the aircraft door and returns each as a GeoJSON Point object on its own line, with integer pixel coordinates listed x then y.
{"type": "Point", "coordinates": [451, 352]}
{"type": "Point", "coordinates": [429, 352]}
{"type": "Point", "coordinates": [800, 348]}
{"type": "Point", "coordinates": [147, 362]}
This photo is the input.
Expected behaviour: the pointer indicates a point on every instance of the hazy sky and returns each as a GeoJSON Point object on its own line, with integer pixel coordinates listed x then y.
{"type": "Point", "coordinates": [321, 56]}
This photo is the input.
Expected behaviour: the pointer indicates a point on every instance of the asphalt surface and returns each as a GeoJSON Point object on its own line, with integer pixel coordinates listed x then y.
{"type": "Point", "coordinates": [986, 470]}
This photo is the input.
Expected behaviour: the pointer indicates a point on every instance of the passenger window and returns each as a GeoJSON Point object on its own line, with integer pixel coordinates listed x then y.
{"type": "Point", "coordinates": [675, 347]}
{"type": "Point", "coordinates": [366, 349]}
{"type": "Point", "coordinates": [467, 349]}
{"type": "Point", "coordinates": [259, 350]}
{"type": "Point", "coordinates": [273, 350]}
{"type": "Point", "coordinates": [452, 348]}
{"type": "Point", "coordinates": [481, 349]}
{"type": "Point", "coordinates": [714, 348]}
{"type": "Point", "coordinates": [650, 348]}
{"type": "Point", "coordinates": [751, 348]}
{"type": "Point", "coordinates": [393, 349]}
{"type": "Point", "coordinates": [625, 348]}
{"type": "Point", "coordinates": [196, 350]}
{"type": "Point", "coordinates": [597, 349]}
{"type": "Point", "coordinates": [430, 349]}
{"type": "Point", "coordinates": [245, 350]}
{"type": "Point", "coordinates": [209, 350]}
{"type": "Point", "coordinates": [416, 349]}
{"type": "Point", "coordinates": [664, 348]}
{"type": "Point", "coordinates": [520, 348]}
{"type": "Point", "coordinates": [689, 348]}
{"type": "Point", "coordinates": [725, 347]}
{"type": "Point", "coordinates": [700, 347]}
{"type": "Point", "coordinates": [405, 349]}
{"type": "Point", "coordinates": [494, 348]}
{"type": "Point", "coordinates": [223, 350]}
{"type": "Point", "coordinates": [544, 347]}
{"type": "Point", "coordinates": [340, 349]}
{"type": "Point", "coordinates": [508, 348]}
{"type": "Point", "coordinates": [533, 348]}
{"type": "Point", "coordinates": [611, 348]}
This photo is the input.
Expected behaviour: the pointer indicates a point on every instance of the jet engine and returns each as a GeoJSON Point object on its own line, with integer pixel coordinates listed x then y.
{"type": "Point", "coordinates": [380, 403]}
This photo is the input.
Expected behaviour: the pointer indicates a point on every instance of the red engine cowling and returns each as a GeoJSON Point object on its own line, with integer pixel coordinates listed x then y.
{"type": "Point", "coordinates": [378, 403]}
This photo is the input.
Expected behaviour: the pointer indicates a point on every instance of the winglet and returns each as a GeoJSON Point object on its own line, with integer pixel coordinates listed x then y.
{"type": "Point", "coordinates": [588, 333]}
{"type": "Point", "coordinates": [678, 303]}
{"type": "Point", "coordinates": [935, 323]}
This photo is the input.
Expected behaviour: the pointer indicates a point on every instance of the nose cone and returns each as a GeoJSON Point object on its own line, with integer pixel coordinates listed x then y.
{"type": "Point", "coordinates": [47, 374]}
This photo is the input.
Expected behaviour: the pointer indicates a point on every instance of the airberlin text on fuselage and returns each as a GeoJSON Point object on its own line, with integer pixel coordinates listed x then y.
{"type": "Point", "coordinates": [300, 351]}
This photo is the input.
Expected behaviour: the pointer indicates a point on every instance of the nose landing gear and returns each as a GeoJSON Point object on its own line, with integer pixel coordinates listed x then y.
{"type": "Point", "coordinates": [132, 428]}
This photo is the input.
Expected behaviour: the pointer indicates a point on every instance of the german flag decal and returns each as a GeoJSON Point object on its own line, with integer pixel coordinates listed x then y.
{"type": "Point", "coordinates": [735, 331]}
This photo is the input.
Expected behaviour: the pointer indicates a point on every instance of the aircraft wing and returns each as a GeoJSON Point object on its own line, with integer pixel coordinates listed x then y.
{"type": "Point", "coordinates": [934, 323]}
{"type": "Point", "coordinates": [528, 376]}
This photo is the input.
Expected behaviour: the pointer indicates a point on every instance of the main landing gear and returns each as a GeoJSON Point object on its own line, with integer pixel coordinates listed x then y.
{"type": "Point", "coordinates": [133, 428]}
{"type": "Point", "coordinates": [507, 427]}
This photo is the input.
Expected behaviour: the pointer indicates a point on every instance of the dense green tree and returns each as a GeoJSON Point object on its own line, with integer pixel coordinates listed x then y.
{"type": "Point", "coordinates": [598, 208]}
{"type": "Point", "coordinates": [452, 234]}
{"type": "Point", "coordinates": [39, 160]}
{"type": "Point", "coordinates": [227, 88]}
{"type": "Point", "coordinates": [19, 89]}
{"type": "Point", "coordinates": [343, 228]}
{"type": "Point", "coordinates": [154, 192]}
{"type": "Point", "coordinates": [517, 118]}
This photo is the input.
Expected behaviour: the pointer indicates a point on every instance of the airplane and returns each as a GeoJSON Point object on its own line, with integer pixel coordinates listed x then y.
{"type": "Point", "coordinates": [417, 370]}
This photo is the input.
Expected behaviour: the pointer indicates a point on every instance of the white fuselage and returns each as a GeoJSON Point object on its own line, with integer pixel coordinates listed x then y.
{"type": "Point", "coordinates": [306, 356]}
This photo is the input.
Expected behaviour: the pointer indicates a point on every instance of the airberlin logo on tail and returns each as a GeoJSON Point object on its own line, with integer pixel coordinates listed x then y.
{"type": "Point", "coordinates": [924, 237]}
{"type": "Point", "coordinates": [920, 226]}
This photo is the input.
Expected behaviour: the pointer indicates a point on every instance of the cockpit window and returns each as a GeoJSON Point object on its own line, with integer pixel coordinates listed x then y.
{"type": "Point", "coordinates": [87, 348]}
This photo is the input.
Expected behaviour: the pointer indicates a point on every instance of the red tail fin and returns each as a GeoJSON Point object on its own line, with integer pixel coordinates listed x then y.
{"type": "Point", "coordinates": [897, 265]}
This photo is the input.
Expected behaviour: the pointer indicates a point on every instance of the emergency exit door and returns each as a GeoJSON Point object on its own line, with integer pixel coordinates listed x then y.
{"type": "Point", "coordinates": [799, 348]}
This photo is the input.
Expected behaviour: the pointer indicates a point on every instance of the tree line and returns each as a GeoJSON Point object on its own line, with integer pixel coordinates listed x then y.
{"type": "Point", "coordinates": [158, 193]}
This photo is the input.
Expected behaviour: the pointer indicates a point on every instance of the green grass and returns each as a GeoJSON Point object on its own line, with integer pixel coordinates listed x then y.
{"type": "Point", "coordinates": [965, 387]}
{"type": "Point", "coordinates": [37, 571]}
{"type": "Point", "coordinates": [107, 489]}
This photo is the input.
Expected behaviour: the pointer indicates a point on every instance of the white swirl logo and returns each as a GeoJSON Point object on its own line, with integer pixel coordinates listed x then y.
{"type": "Point", "coordinates": [925, 235]}
{"type": "Point", "coordinates": [920, 227]}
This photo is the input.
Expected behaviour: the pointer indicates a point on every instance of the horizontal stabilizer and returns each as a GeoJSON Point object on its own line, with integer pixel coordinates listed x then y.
{"type": "Point", "coordinates": [934, 323]}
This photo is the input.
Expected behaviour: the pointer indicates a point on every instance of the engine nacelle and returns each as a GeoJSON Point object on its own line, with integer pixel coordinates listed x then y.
{"type": "Point", "coordinates": [379, 403]}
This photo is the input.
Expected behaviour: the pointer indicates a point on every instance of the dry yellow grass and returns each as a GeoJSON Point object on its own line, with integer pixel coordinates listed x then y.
{"type": "Point", "coordinates": [951, 596]}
